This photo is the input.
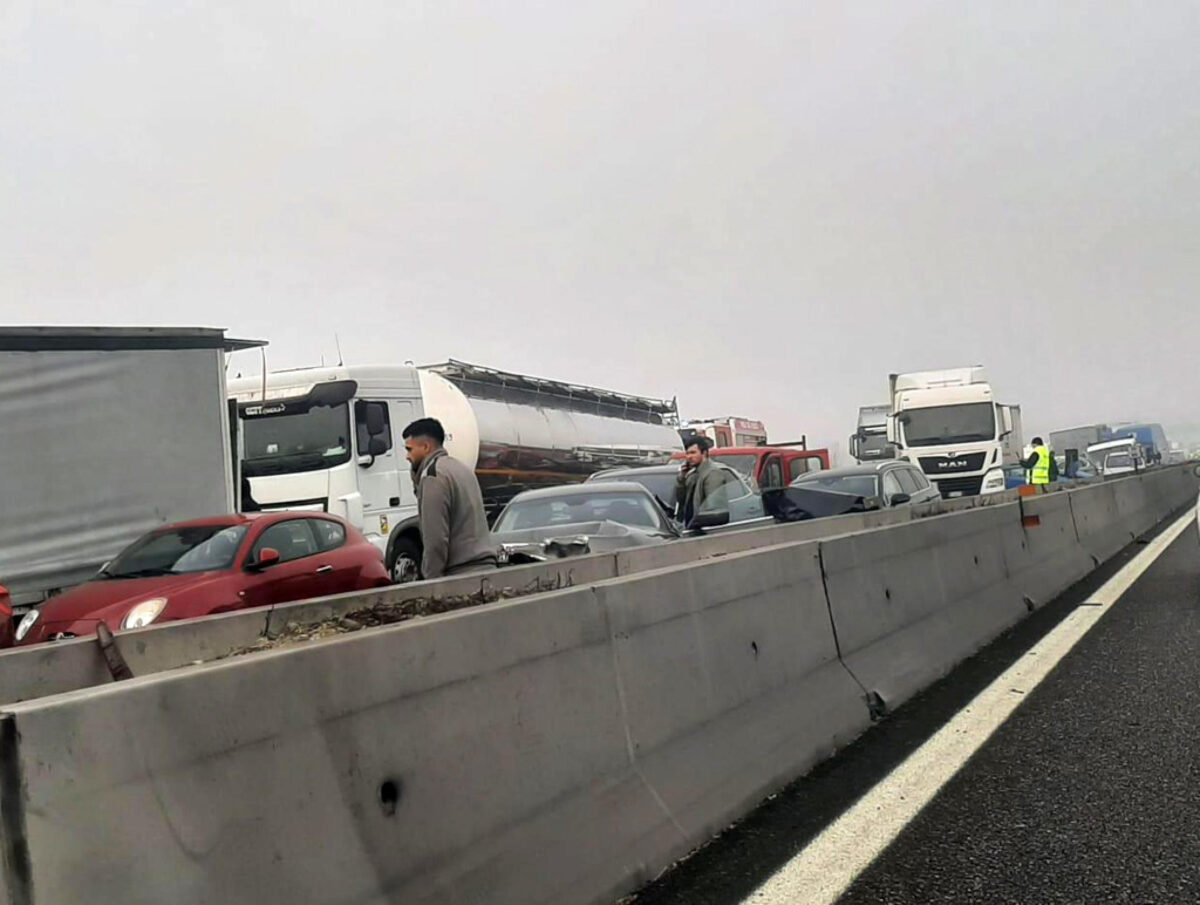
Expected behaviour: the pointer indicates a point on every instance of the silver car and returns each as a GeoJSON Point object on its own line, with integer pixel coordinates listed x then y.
{"type": "Point", "coordinates": [745, 503]}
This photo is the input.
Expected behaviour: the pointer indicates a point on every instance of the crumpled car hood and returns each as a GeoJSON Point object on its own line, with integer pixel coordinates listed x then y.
{"type": "Point", "coordinates": [574, 540]}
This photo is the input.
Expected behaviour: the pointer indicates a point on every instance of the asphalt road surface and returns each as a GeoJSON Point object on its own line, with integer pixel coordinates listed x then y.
{"type": "Point", "coordinates": [1089, 792]}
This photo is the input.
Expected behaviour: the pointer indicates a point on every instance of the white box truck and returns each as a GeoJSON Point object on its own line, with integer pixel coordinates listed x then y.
{"type": "Point", "coordinates": [330, 439]}
{"type": "Point", "coordinates": [948, 423]}
{"type": "Point", "coordinates": [106, 433]}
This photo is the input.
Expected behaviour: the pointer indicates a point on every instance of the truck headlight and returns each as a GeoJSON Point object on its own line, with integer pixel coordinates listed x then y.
{"type": "Point", "coordinates": [144, 613]}
{"type": "Point", "coordinates": [994, 480]}
{"type": "Point", "coordinates": [26, 623]}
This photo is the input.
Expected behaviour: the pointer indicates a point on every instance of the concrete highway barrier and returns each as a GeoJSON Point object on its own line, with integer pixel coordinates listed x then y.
{"type": "Point", "coordinates": [557, 748]}
{"type": "Point", "coordinates": [1042, 551]}
{"type": "Point", "coordinates": [28, 673]}
{"type": "Point", "coordinates": [563, 746]}
{"type": "Point", "coordinates": [910, 602]}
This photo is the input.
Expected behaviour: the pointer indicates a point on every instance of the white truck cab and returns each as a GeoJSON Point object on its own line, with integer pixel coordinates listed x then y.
{"type": "Point", "coordinates": [329, 439]}
{"type": "Point", "coordinates": [949, 424]}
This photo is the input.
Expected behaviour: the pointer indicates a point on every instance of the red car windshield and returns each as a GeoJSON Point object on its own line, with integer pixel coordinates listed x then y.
{"type": "Point", "coordinates": [206, 548]}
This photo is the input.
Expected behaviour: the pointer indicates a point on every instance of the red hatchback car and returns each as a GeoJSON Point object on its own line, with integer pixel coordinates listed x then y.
{"type": "Point", "coordinates": [213, 566]}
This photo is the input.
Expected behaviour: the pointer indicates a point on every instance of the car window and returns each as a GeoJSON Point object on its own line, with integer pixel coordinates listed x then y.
{"type": "Point", "coordinates": [890, 485]}
{"type": "Point", "coordinates": [330, 534]}
{"type": "Point", "coordinates": [921, 480]}
{"type": "Point", "coordinates": [577, 508]}
{"type": "Point", "coordinates": [292, 539]}
{"type": "Point", "coordinates": [863, 485]}
{"type": "Point", "coordinates": [661, 484]}
{"type": "Point", "coordinates": [203, 548]}
{"type": "Point", "coordinates": [907, 479]}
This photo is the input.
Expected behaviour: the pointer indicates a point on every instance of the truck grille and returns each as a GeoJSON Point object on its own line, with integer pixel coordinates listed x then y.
{"type": "Point", "coordinates": [959, 486]}
{"type": "Point", "coordinates": [935, 466]}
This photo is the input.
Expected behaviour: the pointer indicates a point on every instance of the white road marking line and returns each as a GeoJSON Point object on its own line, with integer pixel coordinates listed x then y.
{"type": "Point", "coordinates": [824, 870]}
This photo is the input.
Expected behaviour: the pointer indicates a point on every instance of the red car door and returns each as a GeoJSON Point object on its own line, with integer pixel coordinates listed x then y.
{"type": "Point", "coordinates": [295, 576]}
{"type": "Point", "coordinates": [340, 560]}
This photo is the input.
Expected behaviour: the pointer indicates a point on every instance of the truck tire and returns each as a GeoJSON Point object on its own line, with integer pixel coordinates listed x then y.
{"type": "Point", "coordinates": [404, 560]}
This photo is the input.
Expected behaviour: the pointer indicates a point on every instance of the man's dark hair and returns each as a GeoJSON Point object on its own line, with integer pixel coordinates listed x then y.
{"type": "Point", "coordinates": [1037, 441]}
{"type": "Point", "coordinates": [698, 440]}
{"type": "Point", "coordinates": [426, 427]}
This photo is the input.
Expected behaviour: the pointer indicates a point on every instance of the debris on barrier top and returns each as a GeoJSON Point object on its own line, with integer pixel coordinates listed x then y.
{"type": "Point", "coordinates": [381, 614]}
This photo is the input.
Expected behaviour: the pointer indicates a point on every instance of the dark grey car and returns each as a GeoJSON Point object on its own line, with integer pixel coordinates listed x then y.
{"type": "Point", "coordinates": [857, 488]}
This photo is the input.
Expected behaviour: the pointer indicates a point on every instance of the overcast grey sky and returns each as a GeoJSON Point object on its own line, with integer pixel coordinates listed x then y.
{"type": "Point", "coordinates": [761, 207]}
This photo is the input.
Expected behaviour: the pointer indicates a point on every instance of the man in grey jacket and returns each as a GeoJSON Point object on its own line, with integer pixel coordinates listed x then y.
{"type": "Point", "coordinates": [454, 529]}
{"type": "Point", "coordinates": [701, 485]}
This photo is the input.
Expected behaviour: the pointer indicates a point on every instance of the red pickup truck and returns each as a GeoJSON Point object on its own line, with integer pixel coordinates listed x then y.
{"type": "Point", "coordinates": [770, 466]}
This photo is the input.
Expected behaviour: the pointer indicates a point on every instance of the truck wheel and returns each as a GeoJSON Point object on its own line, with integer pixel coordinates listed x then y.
{"type": "Point", "coordinates": [405, 560]}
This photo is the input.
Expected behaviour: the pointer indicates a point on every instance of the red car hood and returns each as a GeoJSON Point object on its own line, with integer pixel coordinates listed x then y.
{"type": "Point", "coordinates": [104, 598]}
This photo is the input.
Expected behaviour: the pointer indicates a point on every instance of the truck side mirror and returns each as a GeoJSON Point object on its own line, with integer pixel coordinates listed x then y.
{"type": "Point", "coordinates": [375, 423]}
{"type": "Point", "coordinates": [1006, 419]}
{"type": "Point", "coordinates": [893, 433]}
{"type": "Point", "coordinates": [853, 445]}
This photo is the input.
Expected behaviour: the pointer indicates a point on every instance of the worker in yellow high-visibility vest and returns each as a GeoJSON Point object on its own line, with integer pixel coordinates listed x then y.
{"type": "Point", "coordinates": [1038, 465]}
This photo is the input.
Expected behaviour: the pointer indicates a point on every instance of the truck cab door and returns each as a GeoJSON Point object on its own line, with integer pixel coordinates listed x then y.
{"type": "Point", "coordinates": [771, 474]}
{"type": "Point", "coordinates": [376, 434]}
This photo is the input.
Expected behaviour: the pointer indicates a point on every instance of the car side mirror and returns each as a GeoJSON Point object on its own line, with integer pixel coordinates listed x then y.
{"type": "Point", "coordinates": [709, 520]}
{"type": "Point", "coordinates": [899, 499]}
{"type": "Point", "coordinates": [267, 557]}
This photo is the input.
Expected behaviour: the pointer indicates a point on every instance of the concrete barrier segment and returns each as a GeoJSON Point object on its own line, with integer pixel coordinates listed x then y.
{"type": "Point", "coordinates": [559, 747]}
{"type": "Point", "coordinates": [910, 602]}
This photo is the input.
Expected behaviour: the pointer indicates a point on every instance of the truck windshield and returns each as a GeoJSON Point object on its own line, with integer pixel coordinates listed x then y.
{"type": "Point", "coordinates": [309, 440]}
{"type": "Point", "coordinates": [970, 423]}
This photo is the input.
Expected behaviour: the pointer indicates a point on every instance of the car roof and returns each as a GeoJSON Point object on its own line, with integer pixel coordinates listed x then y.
{"type": "Point", "coordinates": [668, 468]}
{"type": "Point", "coordinates": [849, 470]}
{"type": "Point", "coordinates": [245, 518]}
{"type": "Point", "coordinates": [590, 488]}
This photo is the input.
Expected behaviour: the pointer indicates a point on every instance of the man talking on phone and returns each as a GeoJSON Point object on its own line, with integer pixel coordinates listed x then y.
{"type": "Point", "coordinates": [700, 485]}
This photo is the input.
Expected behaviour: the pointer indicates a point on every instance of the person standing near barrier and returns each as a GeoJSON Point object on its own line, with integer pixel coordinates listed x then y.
{"type": "Point", "coordinates": [454, 529]}
{"type": "Point", "coordinates": [1040, 465]}
{"type": "Point", "coordinates": [700, 487]}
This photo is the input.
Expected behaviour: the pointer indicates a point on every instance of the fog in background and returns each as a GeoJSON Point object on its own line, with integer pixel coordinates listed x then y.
{"type": "Point", "coordinates": [763, 208]}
